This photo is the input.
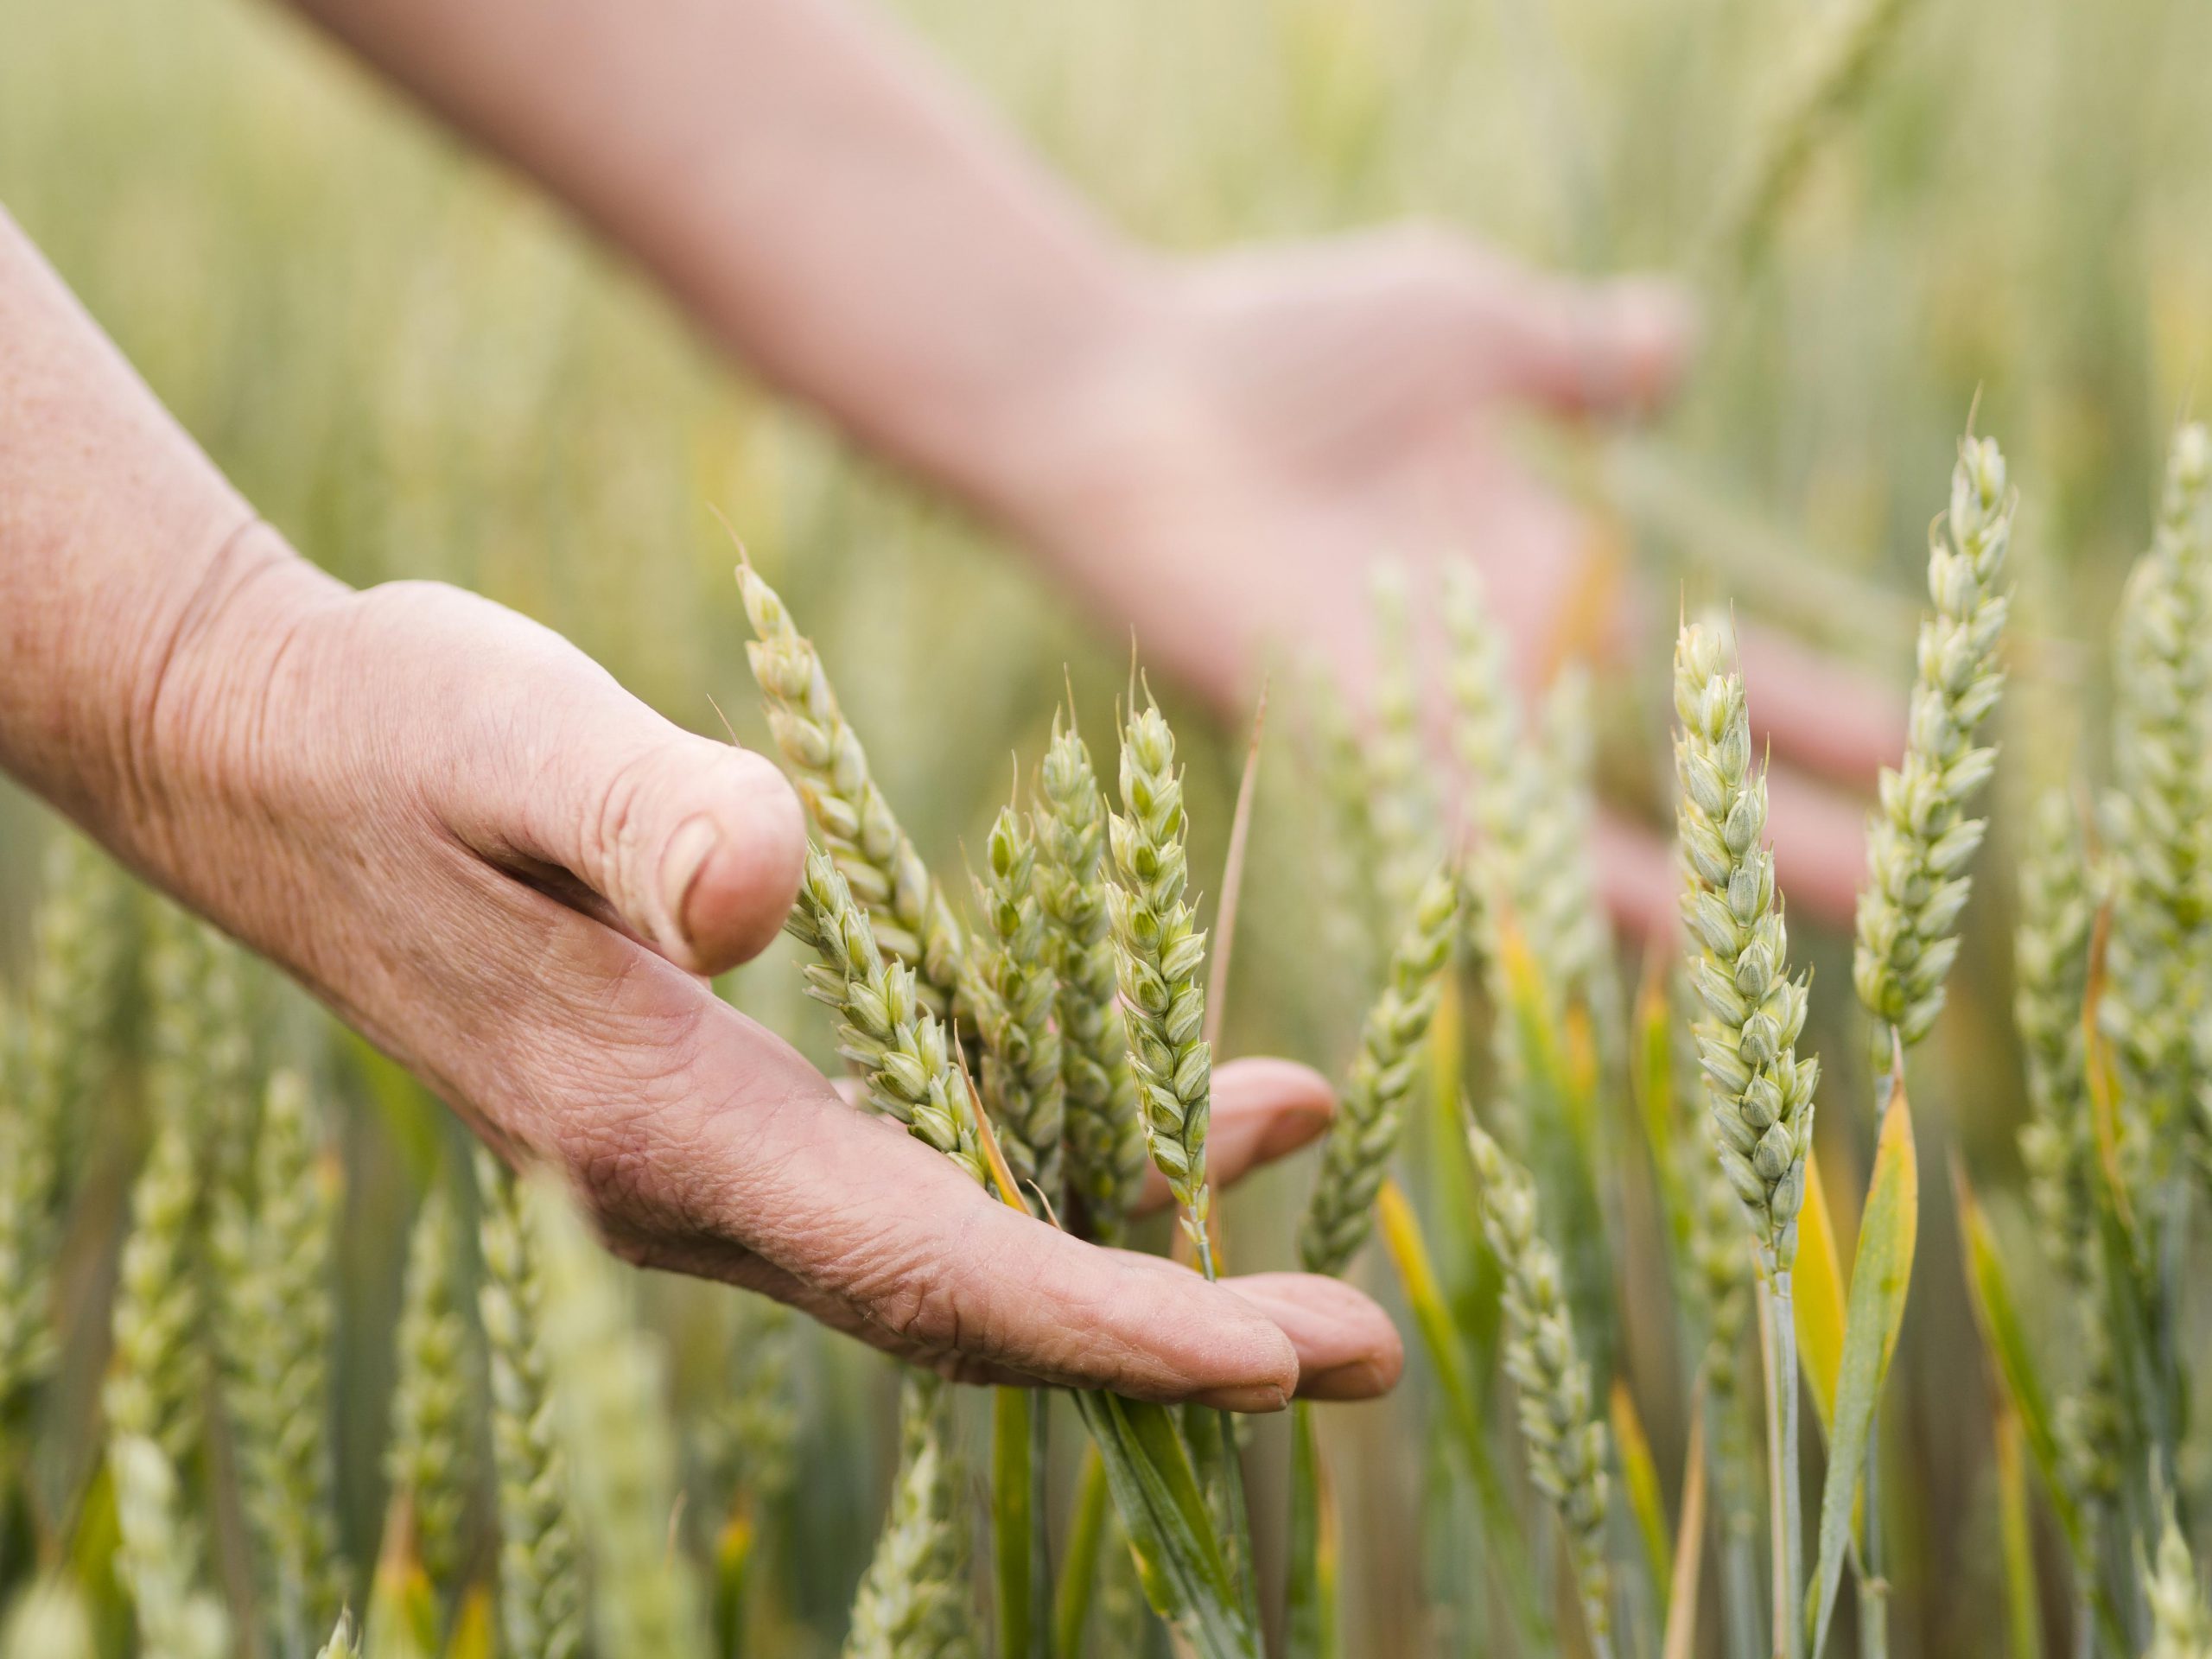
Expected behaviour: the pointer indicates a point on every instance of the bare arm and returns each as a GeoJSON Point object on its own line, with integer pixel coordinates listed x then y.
{"type": "Point", "coordinates": [812, 189]}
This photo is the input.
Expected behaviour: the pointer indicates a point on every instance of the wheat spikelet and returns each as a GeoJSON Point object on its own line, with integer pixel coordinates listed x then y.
{"type": "Point", "coordinates": [279, 1311]}
{"type": "Point", "coordinates": [1392, 1051]}
{"type": "Point", "coordinates": [429, 1456]}
{"type": "Point", "coordinates": [831, 769]}
{"type": "Point", "coordinates": [1761, 1093]}
{"type": "Point", "coordinates": [1919, 843]}
{"type": "Point", "coordinates": [912, 1602]}
{"type": "Point", "coordinates": [1157, 954]}
{"type": "Point", "coordinates": [1566, 1443]}
{"type": "Point", "coordinates": [159, 1366]}
{"type": "Point", "coordinates": [611, 1394]}
{"type": "Point", "coordinates": [2050, 962]}
{"type": "Point", "coordinates": [894, 1042]}
{"type": "Point", "coordinates": [1104, 1140]}
{"type": "Point", "coordinates": [2156, 816]}
{"type": "Point", "coordinates": [1011, 990]}
{"type": "Point", "coordinates": [157, 1557]}
{"type": "Point", "coordinates": [541, 1574]}
{"type": "Point", "coordinates": [345, 1641]}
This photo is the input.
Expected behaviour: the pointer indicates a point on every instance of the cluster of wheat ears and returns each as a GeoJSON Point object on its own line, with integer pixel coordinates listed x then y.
{"type": "Point", "coordinates": [1054, 1037]}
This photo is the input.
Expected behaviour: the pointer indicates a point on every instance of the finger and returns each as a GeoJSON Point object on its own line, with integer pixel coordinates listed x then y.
{"type": "Point", "coordinates": [1820, 714]}
{"type": "Point", "coordinates": [1578, 349]}
{"type": "Point", "coordinates": [1264, 1109]}
{"type": "Point", "coordinates": [1347, 1347]}
{"type": "Point", "coordinates": [692, 846]}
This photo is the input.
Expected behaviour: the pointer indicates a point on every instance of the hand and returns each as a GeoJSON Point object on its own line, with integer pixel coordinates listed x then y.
{"type": "Point", "coordinates": [509, 874]}
{"type": "Point", "coordinates": [1277, 421]}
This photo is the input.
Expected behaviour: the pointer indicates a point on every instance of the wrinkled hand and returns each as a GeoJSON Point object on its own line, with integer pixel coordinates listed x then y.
{"type": "Point", "coordinates": [511, 875]}
{"type": "Point", "coordinates": [1284, 418]}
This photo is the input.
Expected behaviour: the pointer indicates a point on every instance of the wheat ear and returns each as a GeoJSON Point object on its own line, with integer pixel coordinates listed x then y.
{"type": "Point", "coordinates": [80, 967]}
{"type": "Point", "coordinates": [428, 1457]}
{"type": "Point", "coordinates": [1566, 1443]}
{"type": "Point", "coordinates": [279, 1310]}
{"type": "Point", "coordinates": [1393, 1048]}
{"type": "Point", "coordinates": [911, 918]}
{"type": "Point", "coordinates": [1919, 843]}
{"type": "Point", "coordinates": [541, 1573]}
{"type": "Point", "coordinates": [911, 1602]}
{"type": "Point", "coordinates": [1011, 990]}
{"type": "Point", "coordinates": [2156, 816]}
{"type": "Point", "coordinates": [2050, 973]}
{"type": "Point", "coordinates": [1158, 956]}
{"type": "Point", "coordinates": [896, 1044]}
{"type": "Point", "coordinates": [1402, 809]}
{"type": "Point", "coordinates": [611, 1391]}
{"type": "Point", "coordinates": [1104, 1139]}
{"type": "Point", "coordinates": [158, 1556]}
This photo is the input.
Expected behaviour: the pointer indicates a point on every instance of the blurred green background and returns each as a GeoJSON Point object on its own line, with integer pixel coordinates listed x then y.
{"type": "Point", "coordinates": [415, 368]}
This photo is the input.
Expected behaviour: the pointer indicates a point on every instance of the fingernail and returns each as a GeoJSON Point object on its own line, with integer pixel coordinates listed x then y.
{"type": "Point", "coordinates": [687, 850]}
{"type": "Point", "coordinates": [1252, 1397]}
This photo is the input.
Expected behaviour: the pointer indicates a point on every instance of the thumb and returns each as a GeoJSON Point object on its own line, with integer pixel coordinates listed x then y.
{"type": "Point", "coordinates": [693, 847]}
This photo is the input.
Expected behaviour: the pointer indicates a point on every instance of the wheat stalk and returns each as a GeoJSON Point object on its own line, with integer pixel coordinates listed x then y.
{"type": "Point", "coordinates": [913, 1603]}
{"type": "Point", "coordinates": [427, 1457]}
{"type": "Point", "coordinates": [1011, 989]}
{"type": "Point", "coordinates": [1393, 1049]}
{"type": "Point", "coordinates": [541, 1577]}
{"type": "Point", "coordinates": [831, 769]}
{"type": "Point", "coordinates": [1919, 843]}
{"type": "Point", "coordinates": [883, 1030]}
{"type": "Point", "coordinates": [1566, 1443]}
{"type": "Point", "coordinates": [1158, 954]}
{"type": "Point", "coordinates": [2157, 813]}
{"type": "Point", "coordinates": [1344, 844]}
{"type": "Point", "coordinates": [1104, 1139]}
{"type": "Point", "coordinates": [279, 1311]}
{"type": "Point", "coordinates": [610, 1390]}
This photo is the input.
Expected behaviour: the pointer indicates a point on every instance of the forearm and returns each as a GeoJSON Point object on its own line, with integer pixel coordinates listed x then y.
{"type": "Point", "coordinates": [119, 543]}
{"type": "Point", "coordinates": [829, 204]}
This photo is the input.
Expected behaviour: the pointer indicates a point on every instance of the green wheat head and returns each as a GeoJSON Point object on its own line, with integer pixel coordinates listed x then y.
{"type": "Point", "coordinates": [1104, 1139]}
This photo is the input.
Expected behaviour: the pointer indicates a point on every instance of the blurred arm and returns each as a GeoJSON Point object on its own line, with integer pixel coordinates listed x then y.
{"type": "Point", "coordinates": [810, 186]}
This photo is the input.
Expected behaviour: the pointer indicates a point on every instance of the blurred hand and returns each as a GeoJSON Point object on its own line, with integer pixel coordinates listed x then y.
{"type": "Point", "coordinates": [1282, 419]}
{"type": "Point", "coordinates": [511, 875]}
